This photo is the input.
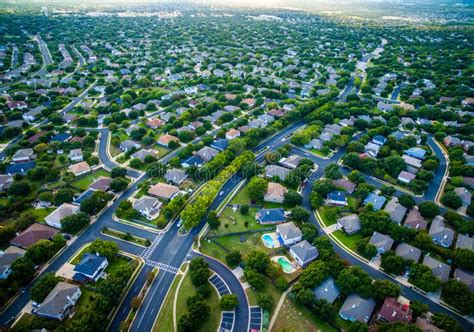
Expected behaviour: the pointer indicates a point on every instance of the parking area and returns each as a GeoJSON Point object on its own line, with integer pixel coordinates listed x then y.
{"type": "Point", "coordinates": [219, 284]}
{"type": "Point", "coordinates": [227, 321]}
{"type": "Point", "coordinates": [255, 323]}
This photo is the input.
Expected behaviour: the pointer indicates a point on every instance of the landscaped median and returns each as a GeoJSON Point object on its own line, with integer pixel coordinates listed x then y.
{"type": "Point", "coordinates": [126, 237]}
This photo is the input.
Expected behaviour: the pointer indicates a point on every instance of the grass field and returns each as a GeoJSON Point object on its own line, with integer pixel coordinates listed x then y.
{"type": "Point", "coordinates": [349, 240]}
{"type": "Point", "coordinates": [187, 289]}
{"type": "Point", "coordinates": [83, 183]}
{"type": "Point", "coordinates": [269, 289]}
{"type": "Point", "coordinates": [39, 214]}
{"type": "Point", "coordinates": [328, 214]}
{"type": "Point", "coordinates": [236, 222]}
{"type": "Point", "coordinates": [294, 318]}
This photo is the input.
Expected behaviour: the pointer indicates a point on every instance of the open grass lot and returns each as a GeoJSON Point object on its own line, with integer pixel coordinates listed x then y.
{"type": "Point", "coordinates": [211, 249]}
{"type": "Point", "coordinates": [165, 318]}
{"type": "Point", "coordinates": [234, 221]}
{"type": "Point", "coordinates": [294, 318]}
{"type": "Point", "coordinates": [242, 197]}
{"type": "Point", "coordinates": [250, 242]}
{"type": "Point", "coordinates": [39, 214]}
{"type": "Point", "coordinates": [84, 182]}
{"type": "Point", "coordinates": [187, 289]}
{"type": "Point", "coordinates": [269, 289]}
{"type": "Point", "coordinates": [349, 240]}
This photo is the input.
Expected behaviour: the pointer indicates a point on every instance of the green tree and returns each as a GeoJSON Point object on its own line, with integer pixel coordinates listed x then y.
{"type": "Point", "coordinates": [265, 301]}
{"type": "Point", "coordinates": [105, 248]}
{"type": "Point", "coordinates": [452, 200]}
{"type": "Point", "coordinates": [464, 258]}
{"type": "Point", "coordinates": [258, 261]}
{"type": "Point", "coordinates": [299, 214]}
{"type": "Point", "coordinates": [43, 287]}
{"type": "Point", "coordinates": [445, 322]}
{"type": "Point", "coordinates": [229, 302]}
{"type": "Point", "coordinates": [386, 288]}
{"type": "Point", "coordinates": [418, 308]}
{"type": "Point", "coordinates": [233, 259]}
{"type": "Point", "coordinates": [213, 220]}
{"type": "Point", "coordinates": [96, 202]}
{"type": "Point", "coordinates": [257, 188]}
{"type": "Point", "coordinates": [118, 184]}
{"type": "Point", "coordinates": [199, 271]}
{"type": "Point", "coordinates": [118, 172]}
{"type": "Point", "coordinates": [23, 271]}
{"type": "Point", "coordinates": [392, 263]}
{"type": "Point", "coordinates": [407, 201]}
{"type": "Point", "coordinates": [292, 198]}
{"type": "Point", "coordinates": [428, 209]}
{"type": "Point", "coordinates": [422, 277]}
{"type": "Point", "coordinates": [255, 279]}
{"type": "Point", "coordinates": [457, 294]}
{"type": "Point", "coordinates": [332, 172]}
{"type": "Point", "coordinates": [74, 223]}
{"type": "Point", "coordinates": [63, 195]}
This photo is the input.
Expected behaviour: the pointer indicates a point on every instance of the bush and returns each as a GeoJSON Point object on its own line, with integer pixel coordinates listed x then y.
{"type": "Point", "coordinates": [229, 302]}
{"type": "Point", "coordinates": [244, 209]}
{"type": "Point", "coordinates": [265, 301]}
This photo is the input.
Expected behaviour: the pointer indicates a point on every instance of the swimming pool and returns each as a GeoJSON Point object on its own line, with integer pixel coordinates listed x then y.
{"type": "Point", "coordinates": [268, 241]}
{"type": "Point", "coordinates": [285, 264]}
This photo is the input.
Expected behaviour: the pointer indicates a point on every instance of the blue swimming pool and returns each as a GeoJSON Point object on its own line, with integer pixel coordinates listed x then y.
{"type": "Point", "coordinates": [268, 240]}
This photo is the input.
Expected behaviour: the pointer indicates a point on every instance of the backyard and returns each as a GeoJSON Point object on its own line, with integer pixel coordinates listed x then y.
{"type": "Point", "coordinates": [349, 240]}
{"type": "Point", "coordinates": [84, 182]}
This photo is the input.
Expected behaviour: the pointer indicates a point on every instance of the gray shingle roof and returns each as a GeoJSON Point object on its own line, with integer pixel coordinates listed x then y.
{"type": "Point", "coordinates": [327, 290]}
{"type": "Point", "coordinates": [408, 252]}
{"type": "Point", "coordinates": [439, 269]}
{"type": "Point", "coordinates": [289, 231]}
{"type": "Point", "coordinates": [350, 223]}
{"type": "Point", "coordinates": [381, 241]}
{"type": "Point", "coordinates": [304, 251]}
{"type": "Point", "coordinates": [357, 308]}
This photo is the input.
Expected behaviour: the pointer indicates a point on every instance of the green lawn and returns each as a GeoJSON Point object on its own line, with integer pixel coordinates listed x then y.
{"type": "Point", "coordinates": [29, 322]}
{"type": "Point", "coordinates": [165, 318]}
{"type": "Point", "coordinates": [349, 240]}
{"type": "Point", "coordinates": [295, 317]}
{"type": "Point", "coordinates": [83, 183]}
{"type": "Point", "coordinates": [328, 214]}
{"type": "Point", "coordinates": [39, 214]}
{"type": "Point", "coordinates": [269, 289]}
{"type": "Point", "coordinates": [186, 290]}
{"type": "Point", "coordinates": [235, 222]}
{"type": "Point", "coordinates": [161, 150]}
{"type": "Point", "coordinates": [213, 250]}
{"type": "Point", "coordinates": [242, 197]}
{"type": "Point", "coordinates": [251, 242]}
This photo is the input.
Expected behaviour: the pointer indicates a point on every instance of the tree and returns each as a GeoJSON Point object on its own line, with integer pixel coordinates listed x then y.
{"type": "Point", "coordinates": [332, 172]}
{"type": "Point", "coordinates": [265, 301]}
{"type": "Point", "coordinates": [386, 288]}
{"type": "Point", "coordinates": [398, 327]}
{"type": "Point", "coordinates": [354, 279]}
{"type": "Point", "coordinates": [233, 259]}
{"type": "Point", "coordinates": [96, 202]}
{"type": "Point", "coordinates": [309, 231]}
{"type": "Point", "coordinates": [422, 277]}
{"type": "Point", "coordinates": [281, 283]}
{"type": "Point", "coordinates": [299, 214]}
{"type": "Point", "coordinates": [325, 248]}
{"type": "Point", "coordinates": [358, 327]}
{"type": "Point", "coordinates": [118, 172]}
{"type": "Point", "coordinates": [366, 249]}
{"type": "Point", "coordinates": [445, 322]}
{"type": "Point", "coordinates": [452, 200]}
{"type": "Point", "coordinates": [105, 248]}
{"type": "Point", "coordinates": [407, 201]}
{"type": "Point", "coordinates": [323, 187]}
{"type": "Point", "coordinates": [258, 261]}
{"type": "Point", "coordinates": [74, 223]}
{"type": "Point", "coordinates": [229, 302]}
{"type": "Point", "coordinates": [392, 263]}
{"type": "Point", "coordinates": [423, 240]}
{"type": "Point", "coordinates": [41, 251]}
{"type": "Point", "coordinates": [244, 209]}
{"type": "Point", "coordinates": [19, 189]}
{"type": "Point", "coordinates": [43, 287]}
{"type": "Point", "coordinates": [199, 271]}
{"type": "Point", "coordinates": [255, 279]}
{"type": "Point", "coordinates": [428, 209]}
{"type": "Point", "coordinates": [292, 198]}
{"type": "Point", "coordinates": [118, 184]}
{"type": "Point", "coordinates": [23, 271]}
{"type": "Point", "coordinates": [213, 220]}
{"type": "Point", "coordinates": [63, 195]}
{"type": "Point", "coordinates": [430, 165]}
{"type": "Point", "coordinates": [464, 258]}
{"type": "Point", "coordinates": [257, 188]}
{"type": "Point", "coordinates": [325, 310]}
{"type": "Point", "coordinates": [457, 294]}
{"type": "Point", "coordinates": [46, 196]}
{"type": "Point", "coordinates": [356, 177]}
{"type": "Point", "coordinates": [418, 308]}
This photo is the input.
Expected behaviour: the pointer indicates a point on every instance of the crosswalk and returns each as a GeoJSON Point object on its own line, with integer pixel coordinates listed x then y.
{"type": "Point", "coordinates": [162, 266]}
{"type": "Point", "coordinates": [147, 252]}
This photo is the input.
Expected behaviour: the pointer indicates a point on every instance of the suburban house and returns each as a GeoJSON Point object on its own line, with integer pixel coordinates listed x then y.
{"type": "Point", "coordinates": [376, 201]}
{"type": "Point", "coordinates": [101, 183]}
{"type": "Point", "coordinates": [289, 233]}
{"type": "Point", "coordinates": [33, 234]}
{"type": "Point", "coordinates": [276, 171]}
{"type": "Point", "coordinates": [143, 153]}
{"type": "Point", "coordinates": [408, 252]}
{"type": "Point", "coordinates": [406, 177]}
{"type": "Point", "coordinates": [350, 224]}
{"type": "Point", "coordinates": [395, 210]}
{"type": "Point", "coordinates": [176, 176]}
{"type": "Point", "coordinates": [304, 253]}
{"type": "Point", "coordinates": [464, 242]}
{"type": "Point", "coordinates": [220, 144]}
{"type": "Point", "coordinates": [465, 277]}
{"type": "Point", "coordinates": [337, 197]}
{"type": "Point", "coordinates": [356, 308]}
{"type": "Point", "coordinates": [165, 140]}
{"type": "Point", "coordinates": [207, 153]}
{"type": "Point", "coordinates": [426, 326]}
{"type": "Point", "coordinates": [410, 161]}
{"type": "Point", "coordinates": [90, 268]}
{"type": "Point", "coordinates": [194, 160]}
{"type": "Point", "coordinates": [381, 241]}
{"type": "Point", "coordinates": [23, 155]}
{"type": "Point", "coordinates": [59, 302]}
{"type": "Point", "coordinates": [438, 269]}
{"type": "Point", "coordinates": [76, 155]}
{"type": "Point", "coordinates": [372, 149]}
{"type": "Point", "coordinates": [394, 311]}
{"type": "Point", "coordinates": [464, 194]}
{"type": "Point", "coordinates": [415, 220]}
{"type": "Point", "coordinates": [344, 184]}
{"type": "Point", "coordinates": [5, 181]}
{"type": "Point", "coordinates": [292, 161]}
{"type": "Point", "coordinates": [440, 234]}
{"type": "Point", "coordinates": [65, 210]}
{"type": "Point", "coordinates": [80, 168]}
{"type": "Point", "coordinates": [7, 258]}
{"type": "Point", "coordinates": [147, 206]}
{"type": "Point", "coordinates": [270, 216]}
{"type": "Point", "coordinates": [327, 290]}
{"type": "Point", "coordinates": [155, 123]}
{"type": "Point", "coordinates": [231, 134]}
{"type": "Point", "coordinates": [379, 140]}
{"type": "Point", "coordinates": [163, 190]}
{"type": "Point", "coordinates": [275, 193]}
{"type": "Point", "coordinates": [129, 145]}
{"type": "Point", "coordinates": [315, 143]}
{"type": "Point", "coordinates": [415, 152]}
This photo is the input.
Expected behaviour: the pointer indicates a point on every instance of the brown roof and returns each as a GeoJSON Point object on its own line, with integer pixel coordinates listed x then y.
{"type": "Point", "coordinates": [77, 139]}
{"type": "Point", "coordinates": [156, 122]}
{"type": "Point", "coordinates": [163, 190]}
{"type": "Point", "coordinates": [83, 166]}
{"type": "Point", "coordinates": [346, 184]}
{"type": "Point", "coordinates": [33, 234]}
{"type": "Point", "coordinates": [276, 189]}
{"type": "Point", "coordinates": [415, 220]}
{"type": "Point", "coordinates": [167, 138]}
{"type": "Point", "coordinates": [276, 112]}
{"type": "Point", "coordinates": [426, 326]}
{"type": "Point", "coordinates": [233, 132]}
{"type": "Point", "coordinates": [102, 183]}
{"type": "Point", "coordinates": [394, 311]}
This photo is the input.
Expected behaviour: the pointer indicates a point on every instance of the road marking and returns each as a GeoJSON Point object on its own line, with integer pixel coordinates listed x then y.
{"type": "Point", "coordinates": [162, 266]}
